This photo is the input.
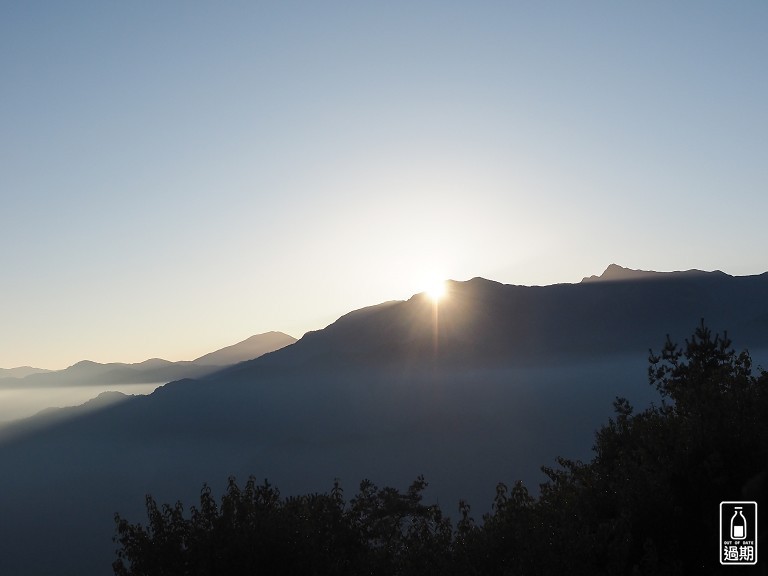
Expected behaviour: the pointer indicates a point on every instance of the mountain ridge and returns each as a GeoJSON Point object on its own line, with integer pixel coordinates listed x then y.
{"type": "Point", "coordinates": [88, 372]}
{"type": "Point", "coordinates": [20, 372]}
{"type": "Point", "coordinates": [251, 347]}
{"type": "Point", "coordinates": [501, 322]}
{"type": "Point", "coordinates": [617, 273]}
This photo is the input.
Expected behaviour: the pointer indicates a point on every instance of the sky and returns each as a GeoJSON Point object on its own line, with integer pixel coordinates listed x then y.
{"type": "Point", "coordinates": [177, 176]}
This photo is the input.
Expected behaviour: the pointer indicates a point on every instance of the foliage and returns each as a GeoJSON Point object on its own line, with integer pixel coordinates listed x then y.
{"type": "Point", "coordinates": [648, 501]}
{"type": "Point", "coordinates": [255, 530]}
{"type": "Point", "coordinates": [645, 504]}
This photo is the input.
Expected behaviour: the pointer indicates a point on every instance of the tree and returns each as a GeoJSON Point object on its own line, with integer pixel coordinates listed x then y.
{"type": "Point", "coordinates": [252, 530]}
{"type": "Point", "coordinates": [401, 535]}
{"type": "Point", "coordinates": [648, 501]}
{"type": "Point", "coordinates": [255, 530]}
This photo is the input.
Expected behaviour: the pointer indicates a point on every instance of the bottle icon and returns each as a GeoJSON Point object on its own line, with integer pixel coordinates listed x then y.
{"type": "Point", "coordinates": [738, 525]}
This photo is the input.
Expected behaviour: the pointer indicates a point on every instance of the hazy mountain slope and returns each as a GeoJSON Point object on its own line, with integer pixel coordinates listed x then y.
{"type": "Point", "coordinates": [52, 416]}
{"type": "Point", "coordinates": [252, 347]}
{"type": "Point", "coordinates": [463, 431]}
{"type": "Point", "coordinates": [508, 378]}
{"type": "Point", "coordinates": [20, 372]}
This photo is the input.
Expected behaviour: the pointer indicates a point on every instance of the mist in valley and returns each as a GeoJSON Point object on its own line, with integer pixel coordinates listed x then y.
{"type": "Point", "coordinates": [464, 431]}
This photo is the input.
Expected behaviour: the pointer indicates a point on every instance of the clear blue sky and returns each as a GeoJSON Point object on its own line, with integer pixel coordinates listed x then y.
{"type": "Point", "coordinates": [176, 176]}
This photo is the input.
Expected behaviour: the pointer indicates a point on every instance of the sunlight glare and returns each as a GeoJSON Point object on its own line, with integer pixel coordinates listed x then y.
{"type": "Point", "coordinates": [436, 290]}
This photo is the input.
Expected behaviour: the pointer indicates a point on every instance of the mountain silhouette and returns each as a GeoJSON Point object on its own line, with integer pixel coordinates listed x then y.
{"type": "Point", "coordinates": [485, 386]}
{"type": "Point", "coordinates": [481, 323]}
{"type": "Point", "coordinates": [249, 348]}
{"type": "Point", "coordinates": [86, 372]}
{"type": "Point", "coordinates": [616, 273]}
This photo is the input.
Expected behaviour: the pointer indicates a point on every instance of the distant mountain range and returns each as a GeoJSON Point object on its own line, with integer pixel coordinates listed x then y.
{"type": "Point", "coordinates": [485, 386]}
{"type": "Point", "coordinates": [20, 372]}
{"type": "Point", "coordinates": [153, 370]}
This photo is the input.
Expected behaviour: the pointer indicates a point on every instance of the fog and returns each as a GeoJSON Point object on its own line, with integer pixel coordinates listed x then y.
{"type": "Point", "coordinates": [465, 431]}
{"type": "Point", "coordinates": [17, 403]}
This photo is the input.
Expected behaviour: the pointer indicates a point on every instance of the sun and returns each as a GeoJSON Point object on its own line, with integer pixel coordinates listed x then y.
{"type": "Point", "coordinates": [436, 290]}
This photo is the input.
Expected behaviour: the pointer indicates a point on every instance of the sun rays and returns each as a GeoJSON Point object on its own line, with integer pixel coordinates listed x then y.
{"type": "Point", "coordinates": [436, 290]}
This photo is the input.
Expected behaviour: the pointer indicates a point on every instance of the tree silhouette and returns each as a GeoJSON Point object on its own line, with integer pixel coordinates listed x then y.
{"type": "Point", "coordinates": [255, 530]}
{"type": "Point", "coordinates": [648, 501]}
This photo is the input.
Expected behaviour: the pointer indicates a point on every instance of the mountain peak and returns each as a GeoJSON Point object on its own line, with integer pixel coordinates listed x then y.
{"type": "Point", "coordinates": [616, 273]}
{"type": "Point", "coordinates": [85, 364]}
{"type": "Point", "coordinates": [249, 348]}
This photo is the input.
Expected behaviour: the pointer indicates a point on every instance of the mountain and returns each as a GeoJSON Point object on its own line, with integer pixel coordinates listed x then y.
{"type": "Point", "coordinates": [20, 372]}
{"type": "Point", "coordinates": [616, 273]}
{"type": "Point", "coordinates": [86, 372]}
{"type": "Point", "coordinates": [252, 347]}
{"type": "Point", "coordinates": [482, 323]}
{"type": "Point", "coordinates": [486, 386]}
